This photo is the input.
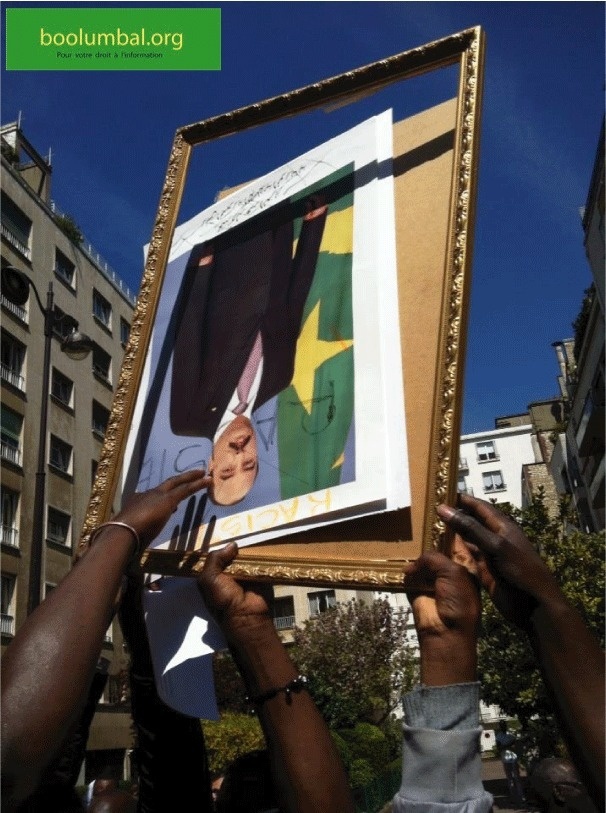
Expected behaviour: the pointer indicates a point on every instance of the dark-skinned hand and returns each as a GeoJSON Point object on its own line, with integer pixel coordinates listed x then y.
{"type": "Point", "coordinates": [149, 511]}
{"type": "Point", "coordinates": [509, 568]}
{"type": "Point", "coordinates": [446, 606]}
{"type": "Point", "coordinates": [238, 608]}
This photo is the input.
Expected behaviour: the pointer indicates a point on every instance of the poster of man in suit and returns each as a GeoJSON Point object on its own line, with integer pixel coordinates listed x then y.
{"type": "Point", "coordinates": [267, 335]}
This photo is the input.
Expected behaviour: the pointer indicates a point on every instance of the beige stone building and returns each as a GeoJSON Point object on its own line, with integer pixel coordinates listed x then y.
{"type": "Point", "coordinates": [47, 247]}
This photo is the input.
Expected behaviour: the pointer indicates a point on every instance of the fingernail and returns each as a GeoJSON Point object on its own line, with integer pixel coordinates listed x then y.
{"type": "Point", "coordinates": [445, 512]}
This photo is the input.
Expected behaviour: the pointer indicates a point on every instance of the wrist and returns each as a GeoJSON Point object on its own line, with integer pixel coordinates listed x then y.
{"type": "Point", "coordinates": [120, 536]}
{"type": "Point", "coordinates": [448, 659]}
{"type": "Point", "coordinates": [261, 656]}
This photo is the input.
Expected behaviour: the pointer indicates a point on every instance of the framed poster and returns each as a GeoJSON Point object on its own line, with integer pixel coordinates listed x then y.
{"type": "Point", "coordinates": [433, 177]}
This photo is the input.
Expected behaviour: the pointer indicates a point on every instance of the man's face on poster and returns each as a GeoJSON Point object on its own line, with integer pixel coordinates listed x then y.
{"type": "Point", "coordinates": [234, 463]}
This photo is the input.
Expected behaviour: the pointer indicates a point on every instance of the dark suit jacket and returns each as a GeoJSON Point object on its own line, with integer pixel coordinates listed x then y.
{"type": "Point", "coordinates": [253, 284]}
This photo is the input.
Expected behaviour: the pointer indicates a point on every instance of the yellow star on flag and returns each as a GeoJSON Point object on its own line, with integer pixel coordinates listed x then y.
{"type": "Point", "coordinates": [312, 352]}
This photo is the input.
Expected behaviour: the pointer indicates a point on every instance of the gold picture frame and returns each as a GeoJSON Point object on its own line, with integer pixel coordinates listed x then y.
{"type": "Point", "coordinates": [435, 167]}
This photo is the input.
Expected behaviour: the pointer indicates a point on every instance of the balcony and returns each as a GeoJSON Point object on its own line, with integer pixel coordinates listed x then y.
{"type": "Point", "coordinates": [7, 624]}
{"type": "Point", "coordinates": [284, 622]}
{"type": "Point", "coordinates": [9, 536]}
{"type": "Point", "coordinates": [10, 453]}
{"type": "Point", "coordinates": [463, 465]}
{"type": "Point", "coordinates": [17, 241]}
{"type": "Point", "coordinates": [14, 378]}
{"type": "Point", "coordinates": [17, 311]}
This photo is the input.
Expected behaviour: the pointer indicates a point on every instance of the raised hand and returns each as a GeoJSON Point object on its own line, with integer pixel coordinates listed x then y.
{"type": "Point", "coordinates": [446, 620]}
{"type": "Point", "coordinates": [149, 511]}
{"type": "Point", "coordinates": [238, 610]}
{"type": "Point", "coordinates": [510, 569]}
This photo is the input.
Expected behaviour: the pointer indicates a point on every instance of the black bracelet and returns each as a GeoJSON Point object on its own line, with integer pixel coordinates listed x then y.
{"type": "Point", "coordinates": [295, 685]}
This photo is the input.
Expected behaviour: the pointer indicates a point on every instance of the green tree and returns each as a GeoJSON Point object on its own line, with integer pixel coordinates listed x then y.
{"type": "Point", "coordinates": [508, 670]}
{"type": "Point", "coordinates": [358, 661]}
{"type": "Point", "coordinates": [230, 737]}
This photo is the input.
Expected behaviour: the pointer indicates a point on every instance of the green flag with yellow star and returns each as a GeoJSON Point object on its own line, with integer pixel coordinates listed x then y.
{"type": "Point", "coordinates": [315, 413]}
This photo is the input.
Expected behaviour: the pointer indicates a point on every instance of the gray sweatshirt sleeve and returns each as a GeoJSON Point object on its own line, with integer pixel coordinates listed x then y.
{"type": "Point", "coordinates": [441, 765]}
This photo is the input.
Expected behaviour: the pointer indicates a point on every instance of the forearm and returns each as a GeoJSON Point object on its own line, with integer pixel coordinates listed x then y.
{"type": "Point", "coordinates": [306, 767]}
{"type": "Point", "coordinates": [572, 664]}
{"type": "Point", "coordinates": [47, 669]}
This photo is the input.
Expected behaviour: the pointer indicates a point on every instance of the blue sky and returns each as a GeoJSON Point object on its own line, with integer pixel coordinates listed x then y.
{"type": "Point", "coordinates": [110, 135]}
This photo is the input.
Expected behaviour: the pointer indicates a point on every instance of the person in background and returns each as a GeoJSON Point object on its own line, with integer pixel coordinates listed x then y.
{"type": "Point", "coordinates": [505, 742]}
{"type": "Point", "coordinates": [527, 594]}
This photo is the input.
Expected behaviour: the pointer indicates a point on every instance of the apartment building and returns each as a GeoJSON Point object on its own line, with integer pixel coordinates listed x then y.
{"type": "Point", "coordinates": [47, 247]}
{"type": "Point", "coordinates": [490, 462]}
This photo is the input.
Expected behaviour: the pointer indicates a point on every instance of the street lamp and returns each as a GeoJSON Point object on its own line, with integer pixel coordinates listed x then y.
{"type": "Point", "coordinates": [16, 287]}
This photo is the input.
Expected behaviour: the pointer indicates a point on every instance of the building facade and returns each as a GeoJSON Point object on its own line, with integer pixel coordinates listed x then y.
{"type": "Point", "coordinates": [48, 248]}
{"type": "Point", "coordinates": [490, 463]}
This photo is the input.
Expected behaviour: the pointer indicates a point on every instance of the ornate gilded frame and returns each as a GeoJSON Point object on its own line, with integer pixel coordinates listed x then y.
{"type": "Point", "coordinates": [362, 561]}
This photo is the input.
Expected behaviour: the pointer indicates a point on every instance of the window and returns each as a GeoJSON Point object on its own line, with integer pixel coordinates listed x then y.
{"type": "Point", "coordinates": [62, 389]}
{"type": "Point", "coordinates": [493, 481]}
{"type": "Point", "coordinates": [486, 451]}
{"type": "Point", "coordinates": [102, 364]}
{"type": "Point", "coordinates": [64, 324]}
{"type": "Point", "coordinates": [7, 607]}
{"type": "Point", "coordinates": [16, 227]}
{"type": "Point", "coordinates": [13, 361]}
{"type": "Point", "coordinates": [100, 419]}
{"type": "Point", "coordinates": [284, 613]}
{"type": "Point", "coordinates": [321, 601]}
{"type": "Point", "coordinates": [60, 455]}
{"type": "Point", "coordinates": [124, 331]}
{"type": "Point", "coordinates": [65, 269]}
{"type": "Point", "coordinates": [12, 424]}
{"type": "Point", "coordinates": [58, 527]}
{"type": "Point", "coordinates": [10, 517]}
{"type": "Point", "coordinates": [102, 310]}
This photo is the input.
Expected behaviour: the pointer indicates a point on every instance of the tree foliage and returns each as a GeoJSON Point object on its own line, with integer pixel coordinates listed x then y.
{"type": "Point", "coordinates": [508, 671]}
{"type": "Point", "coordinates": [230, 737]}
{"type": "Point", "coordinates": [357, 660]}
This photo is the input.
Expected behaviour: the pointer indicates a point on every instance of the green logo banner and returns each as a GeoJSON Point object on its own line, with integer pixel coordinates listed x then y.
{"type": "Point", "coordinates": [113, 39]}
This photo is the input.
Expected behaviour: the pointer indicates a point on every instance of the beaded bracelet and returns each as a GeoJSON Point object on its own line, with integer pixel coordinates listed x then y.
{"type": "Point", "coordinates": [295, 685]}
{"type": "Point", "coordinates": [118, 524]}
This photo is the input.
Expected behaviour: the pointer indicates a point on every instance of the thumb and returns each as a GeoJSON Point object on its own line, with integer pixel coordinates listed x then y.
{"type": "Point", "coordinates": [218, 560]}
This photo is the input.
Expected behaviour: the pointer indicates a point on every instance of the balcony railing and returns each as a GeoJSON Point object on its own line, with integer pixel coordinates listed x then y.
{"type": "Point", "coordinates": [16, 310]}
{"type": "Point", "coordinates": [7, 624]}
{"type": "Point", "coordinates": [14, 378]}
{"type": "Point", "coordinates": [10, 453]}
{"type": "Point", "coordinates": [9, 536]}
{"type": "Point", "coordinates": [15, 242]}
{"type": "Point", "coordinates": [284, 622]}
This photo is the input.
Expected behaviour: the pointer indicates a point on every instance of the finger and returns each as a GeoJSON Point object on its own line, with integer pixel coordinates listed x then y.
{"type": "Point", "coordinates": [469, 528]}
{"type": "Point", "coordinates": [462, 555]}
{"type": "Point", "coordinates": [185, 480]}
{"type": "Point", "coordinates": [422, 574]}
{"type": "Point", "coordinates": [484, 511]}
{"type": "Point", "coordinates": [218, 560]}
